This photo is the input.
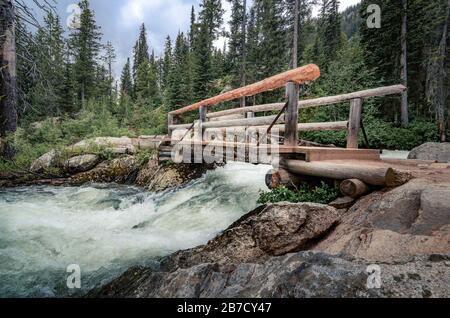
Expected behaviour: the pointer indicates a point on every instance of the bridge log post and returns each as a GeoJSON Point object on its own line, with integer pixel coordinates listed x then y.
{"type": "Point", "coordinates": [354, 123]}
{"type": "Point", "coordinates": [170, 122]}
{"type": "Point", "coordinates": [291, 117]}
{"type": "Point", "coordinates": [198, 135]}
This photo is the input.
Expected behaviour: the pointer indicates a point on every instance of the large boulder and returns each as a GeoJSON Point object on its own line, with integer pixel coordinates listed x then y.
{"type": "Point", "coordinates": [432, 151]}
{"type": "Point", "coordinates": [82, 163]}
{"type": "Point", "coordinates": [158, 177]}
{"type": "Point", "coordinates": [123, 145]}
{"type": "Point", "coordinates": [120, 170]}
{"type": "Point", "coordinates": [391, 225]}
{"type": "Point", "coordinates": [46, 162]}
{"type": "Point", "coordinates": [271, 230]}
{"type": "Point", "coordinates": [299, 275]}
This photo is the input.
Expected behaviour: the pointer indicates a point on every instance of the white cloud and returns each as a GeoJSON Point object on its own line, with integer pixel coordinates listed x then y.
{"type": "Point", "coordinates": [344, 4]}
{"type": "Point", "coordinates": [162, 17]}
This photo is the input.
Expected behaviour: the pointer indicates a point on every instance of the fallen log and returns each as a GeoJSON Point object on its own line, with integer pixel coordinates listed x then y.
{"type": "Point", "coordinates": [373, 175]}
{"type": "Point", "coordinates": [354, 188]}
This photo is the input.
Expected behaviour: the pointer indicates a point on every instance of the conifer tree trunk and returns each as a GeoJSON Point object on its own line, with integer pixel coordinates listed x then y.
{"type": "Point", "coordinates": [8, 82]}
{"type": "Point", "coordinates": [404, 65]}
{"type": "Point", "coordinates": [443, 93]}
{"type": "Point", "coordinates": [244, 51]}
{"type": "Point", "coordinates": [295, 44]}
{"type": "Point", "coordinates": [436, 92]}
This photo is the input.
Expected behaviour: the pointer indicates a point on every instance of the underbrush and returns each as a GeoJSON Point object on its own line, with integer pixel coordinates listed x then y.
{"type": "Point", "coordinates": [323, 194]}
{"type": "Point", "coordinates": [382, 135]}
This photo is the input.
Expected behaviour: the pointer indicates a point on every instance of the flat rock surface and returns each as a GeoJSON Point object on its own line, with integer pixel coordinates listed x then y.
{"type": "Point", "coordinates": [299, 275]}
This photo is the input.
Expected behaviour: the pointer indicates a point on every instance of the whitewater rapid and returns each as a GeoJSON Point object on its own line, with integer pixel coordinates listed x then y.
{"type": "Point", "coordinates": [105, 229]}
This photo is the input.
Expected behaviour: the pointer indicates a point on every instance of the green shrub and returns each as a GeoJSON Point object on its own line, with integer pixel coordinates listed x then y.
{"type": "Point", "coordinates": [323, 194]}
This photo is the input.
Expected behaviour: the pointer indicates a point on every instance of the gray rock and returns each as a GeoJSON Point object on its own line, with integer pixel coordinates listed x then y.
{"type": "Point", "coordinates": [274, 229]}
{"type": "Point", "coordinates": [432, 151]}
{"type": "Point", "coordinates": [120, 170]}
{"type": "Point", "coordinates": [82, 163]}
{"type": "Point", "coordinates": [299, 275]}
{"type": "Point", "coordinates": [386, 226]}
{"type": "Point", "coordinates": [45, 162]}
{"type": "Point", "coordinates": [285, 227]}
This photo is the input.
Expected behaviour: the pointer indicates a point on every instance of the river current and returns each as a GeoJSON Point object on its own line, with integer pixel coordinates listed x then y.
{"type": "Point", "coordinates": [106, 229]}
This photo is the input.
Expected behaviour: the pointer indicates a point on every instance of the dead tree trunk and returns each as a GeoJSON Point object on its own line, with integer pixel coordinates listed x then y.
{"type": "Point", "coordinates": [404, 65]}
{"type": "Point", "coordinates": [8, 81]}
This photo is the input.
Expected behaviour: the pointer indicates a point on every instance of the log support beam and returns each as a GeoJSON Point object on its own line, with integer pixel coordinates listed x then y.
{"type": "Point", "coordinates": [291, 117]}
{"type": "Point", "coordinates": [354, 123]}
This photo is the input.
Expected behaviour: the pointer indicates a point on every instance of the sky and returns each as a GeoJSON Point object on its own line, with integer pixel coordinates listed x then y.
{"type": "Point", "coordinates": [120, 21]}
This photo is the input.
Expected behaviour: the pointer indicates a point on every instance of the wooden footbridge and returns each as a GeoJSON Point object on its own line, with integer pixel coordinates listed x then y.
{"type": "Point", "coordinates": [248, 130]}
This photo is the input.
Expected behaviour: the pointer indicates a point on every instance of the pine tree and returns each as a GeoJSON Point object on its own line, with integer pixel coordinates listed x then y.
{"type": "Point", "coordinates": [126, 86]}
{"type": "Point", "coordinates": [273, 55]}
{"type": "Point", "coordinates": [236, 43]}
{"type": "Point", "coordinates": [140, 51]}
{"type": "Point", "coordinates": [328, 40]}
{"type": "Point", "coordinates": [167, 62]}
{"type": "Point", "coordinates": [306, 32]}
{"type": "Point", "coordinates": [179, 82]}
{"type": "Point", "coordinates": [47, 95]}
{"type": "Point", "coordinates": [110, 59]}
{"type": "Point", "coordinates": [85, 46]}
{"type": "Point", "coordinates": [210, 22]}
{"type": "Point", "coordinates": [193, 28]}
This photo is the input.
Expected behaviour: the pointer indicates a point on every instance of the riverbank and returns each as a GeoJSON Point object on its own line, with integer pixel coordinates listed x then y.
{"type": "Point", "coordinates": [313, 250]}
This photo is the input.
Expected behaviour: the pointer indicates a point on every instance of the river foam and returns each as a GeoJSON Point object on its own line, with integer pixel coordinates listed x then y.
{"type": "Point", "coordinates": [106, 229]}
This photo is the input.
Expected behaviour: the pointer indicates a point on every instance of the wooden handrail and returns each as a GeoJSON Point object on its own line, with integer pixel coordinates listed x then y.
{"type": "Point", "coordinates": [330, 100]}
{"type": "Point", "coordinates": [299, 75]}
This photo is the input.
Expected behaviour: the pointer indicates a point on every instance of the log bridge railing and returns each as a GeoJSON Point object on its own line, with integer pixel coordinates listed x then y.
{"type": "Point", "coordinates": [287, 119]}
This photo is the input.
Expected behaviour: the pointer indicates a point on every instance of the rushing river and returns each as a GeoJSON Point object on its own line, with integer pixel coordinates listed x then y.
{"type": "Point", "coordinates": [106, 229]}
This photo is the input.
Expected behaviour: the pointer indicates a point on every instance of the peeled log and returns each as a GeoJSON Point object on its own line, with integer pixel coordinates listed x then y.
{"type": "Point", "coordinates": [279, 177]}
{"type": "Point", "coordinates": [354, 188]}
{"type": "Point", "coordinates": [299, 75]}
{"type": "Point", "coordinates": [378, 176]}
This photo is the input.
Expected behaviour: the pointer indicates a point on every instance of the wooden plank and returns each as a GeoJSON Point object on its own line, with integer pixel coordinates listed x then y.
{"type": "Point", "coordinates": [291, 118]}
{"type": "Point", "coordinates": [299, 75]}
{"type": "Point", "coordinates": [330, 100]}
{"type": "Point", "coordinates": [354, 123]}
{"type": "Point", "coordinates": [322, 154]}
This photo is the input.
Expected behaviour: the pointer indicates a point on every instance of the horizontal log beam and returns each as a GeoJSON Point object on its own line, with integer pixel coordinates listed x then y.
{"type": "Point", "coordinates": [255, 121]}
{"type": "Point", "coordinates": [328, 126]}
{"type": "Point", "coordinates": [330, 100]}
{"type": "Point", "coordinates": [299, 75]}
